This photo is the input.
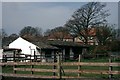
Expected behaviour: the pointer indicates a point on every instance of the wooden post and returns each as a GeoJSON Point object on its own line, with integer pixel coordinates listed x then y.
{"type": "Point", "coordinates": [79, 67]}
{"type": "Point", "coordinates": [14, 71]}
{"type": "Point", "coordinates": [5, 58]}
{"type": "Point", "coordinates": [25, 58]}
{"type": "Point", "coordinates": [31, 60]}
{"type": "Point", "coordinates": [34, 56]}
{"type": "Point", "coordinates": [110, 68]}
{"type": "Point", "coordinates": [31, 69]}
{"type": "Point", "coordinates": [59, 66]}
{"type": "Point", "coordinates": [14, 66]}
{"type": "Point", "coordinates": [14, 56]}
{"type": "Point", "coordinates": [54, 67]}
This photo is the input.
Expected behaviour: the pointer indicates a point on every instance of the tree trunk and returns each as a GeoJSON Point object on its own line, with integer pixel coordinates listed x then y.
{"type": "Point", "coordinates": [86, 40]}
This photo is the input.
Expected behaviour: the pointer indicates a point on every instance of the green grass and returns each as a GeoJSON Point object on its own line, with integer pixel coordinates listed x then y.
{"type": "Point", "coordinates": [44, 67]}
{"type": "Point", "coordinates": [102, 59]}
{"type": "Point", "coordinates": [7, 69]}
{"type": "Point", "coordinates": [44, 73]}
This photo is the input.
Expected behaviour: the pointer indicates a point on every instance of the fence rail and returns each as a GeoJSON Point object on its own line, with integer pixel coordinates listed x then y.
{"type": "Point", "coordinates": [63, 64]}
{"type": "Point", "coordinates": [23, 57]}
{"type": "Point", "coordinates": [59, 70]}
{"type": "Point", "coordinates": [26, 63]}
{"type": "Point", "coordinates": [69, 71]}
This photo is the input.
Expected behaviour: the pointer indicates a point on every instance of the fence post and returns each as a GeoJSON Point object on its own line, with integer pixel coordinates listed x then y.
{"type": "Point", "coordinates": [59, 66]}
{"type": "Point", "coordinates": [25, 58]}
{"type": "Point", "coordinates": [14, 56]}
{"type": "Point", "coordinates": [79, 66]}
{"type": "Point", "coordinates": [14, 66]}
{"type": "Point", "coordinates": [110, 68]}
{"type": "Point", "coordinates": [54, 67]}
{"type": "Point", "coordinates": [34, 56]}
{"type": "Point", "coordinates": [32, 68]}
{"type": "Point", "coordinates": [5, 58]}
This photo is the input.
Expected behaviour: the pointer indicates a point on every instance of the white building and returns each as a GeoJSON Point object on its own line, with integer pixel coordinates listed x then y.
{"type": "Point", "coordinates": [1, 54]}
{"type": "Point", "coordinates": [26, 47]}
{"type": "Point", "coordinates": [35, 48]}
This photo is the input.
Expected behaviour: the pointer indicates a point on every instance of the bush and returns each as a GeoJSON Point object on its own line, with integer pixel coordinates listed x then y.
{"type": "Point", "coordinates": [100, 49]}
{"type": "Point", "coordinates": [96, 51]}
{"type": "Point", "coordinates": [114, 46]}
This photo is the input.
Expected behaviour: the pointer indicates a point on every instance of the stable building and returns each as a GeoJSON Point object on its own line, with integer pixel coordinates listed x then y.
{"type": "Point", "coordinates": [69, 50]}
{"type": "Point", "coordinates": [33, 48]}
{"type": "Point", "coordinates": [47, 50]}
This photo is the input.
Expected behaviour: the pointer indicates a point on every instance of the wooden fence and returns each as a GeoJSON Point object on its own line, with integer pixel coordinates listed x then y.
{"type": "Point", "coordinates": [25, 58]}
{"type": "Point", "coordinates": [59, 70]}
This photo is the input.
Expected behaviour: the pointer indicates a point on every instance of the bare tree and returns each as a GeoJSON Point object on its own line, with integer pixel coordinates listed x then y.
{"type": "Point", "coordinates": [47, 32]}
{"type": "Point", "coordinates": [30, 31]}
{"type": "Point", "coordinates": [14, 35]}
{"type": "Point", "coordinates": [3, 33]}
{"type": "Point", "coordinates": [58, 33]}
{"type": "Point", "coordinates": [38, 31]}
{"type": "Point", "coordinates": [89, 15]}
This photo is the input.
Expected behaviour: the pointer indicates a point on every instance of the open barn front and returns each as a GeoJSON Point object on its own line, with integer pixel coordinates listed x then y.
{"type": "Point", "coordinates": [67, 53]}
{"type": "Point", "coordinates": [77, 51]}
{"type": "Point", "coordinates": [71, 53]}
{"type": "Point", "coordinates": [49, 55]}
{"type": "Point", "coordinates": [69, 50]}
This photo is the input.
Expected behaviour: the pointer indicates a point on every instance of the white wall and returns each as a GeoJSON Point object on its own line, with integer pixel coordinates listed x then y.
{"type": "Point", "coordinates": [1, 54]}
{"type": "Point", "coordinates": [24, 45]}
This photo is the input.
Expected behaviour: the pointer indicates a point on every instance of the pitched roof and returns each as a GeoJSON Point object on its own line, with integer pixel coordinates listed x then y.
{"type": "Point", "coordinates": [54, 44]}
{"type": "Point", "coordinates": [42, 45]}
{"type": "Point", "coordinates": [39, 44]}
{"type": "Point", "coordinates": [11, 49]}
{"type": "Point", "coordinates": [91, 31]}
{"type": "Point", "coordinates": [65, 43]}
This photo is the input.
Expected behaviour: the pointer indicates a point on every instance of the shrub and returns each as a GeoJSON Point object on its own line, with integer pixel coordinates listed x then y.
{"type": "Point", "coordinates": [114, 46]}
{"type": "Point", "coordinates": [100, 49]}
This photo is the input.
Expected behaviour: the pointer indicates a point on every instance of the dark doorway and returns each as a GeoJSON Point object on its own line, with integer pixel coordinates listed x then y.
{"type": "Point", "coordinates": [48, 54]}
{"type": "Point", "coordinates": [67, 53]}
{"type": "Point", "coordinates": [77, 51]}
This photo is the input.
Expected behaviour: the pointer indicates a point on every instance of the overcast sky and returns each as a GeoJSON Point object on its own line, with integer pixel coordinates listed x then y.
{"type": "Point", "coordinates": [17, 15]}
